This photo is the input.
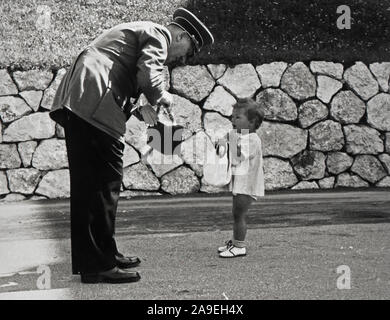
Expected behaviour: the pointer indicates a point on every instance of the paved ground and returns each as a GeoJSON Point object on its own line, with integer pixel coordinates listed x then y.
{"type": "Point", "coordinates": [296, 241]}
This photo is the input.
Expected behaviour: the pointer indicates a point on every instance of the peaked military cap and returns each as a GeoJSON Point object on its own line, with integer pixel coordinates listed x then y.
{"type": "Point", "coordinates": [198, 32]}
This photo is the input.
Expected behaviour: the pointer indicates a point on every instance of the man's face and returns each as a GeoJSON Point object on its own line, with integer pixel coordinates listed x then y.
{"type": "Point", "coordinates": [181, 49]}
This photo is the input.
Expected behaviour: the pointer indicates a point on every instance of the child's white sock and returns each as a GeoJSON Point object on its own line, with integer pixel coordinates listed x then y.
{"type": "Point", "coordinates": [238, 243]}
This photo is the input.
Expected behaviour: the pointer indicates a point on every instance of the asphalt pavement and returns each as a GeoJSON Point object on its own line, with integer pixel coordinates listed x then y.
{"type": "Point", "coordinates": [301, 245]}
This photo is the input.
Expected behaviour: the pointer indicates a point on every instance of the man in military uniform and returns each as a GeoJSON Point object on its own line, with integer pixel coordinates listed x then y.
{"type": "Point", "coordinates": [93, 103]}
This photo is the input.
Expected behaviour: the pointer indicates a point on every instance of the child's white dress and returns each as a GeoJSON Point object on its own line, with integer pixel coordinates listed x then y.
{"type": "Point", "coordinates": [248, 174]}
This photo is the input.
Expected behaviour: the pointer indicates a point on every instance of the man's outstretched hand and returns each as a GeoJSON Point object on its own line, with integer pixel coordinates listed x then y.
{"type": "Point", "coordinates": [149, 115]}
{"type": "Point", "coordinates": [166, 100]}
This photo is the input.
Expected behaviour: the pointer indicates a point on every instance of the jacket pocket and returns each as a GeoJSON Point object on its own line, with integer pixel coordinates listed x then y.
{"type": "Point", "coordinates": [110, 114]}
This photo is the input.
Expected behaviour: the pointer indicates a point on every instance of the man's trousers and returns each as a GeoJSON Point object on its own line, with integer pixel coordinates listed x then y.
{"type": "Point", "coordinates": [96, 170]}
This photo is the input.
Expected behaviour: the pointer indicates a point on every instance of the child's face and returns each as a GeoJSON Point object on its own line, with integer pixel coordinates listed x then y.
{"type": "Point", "coordinates": [240, 120]}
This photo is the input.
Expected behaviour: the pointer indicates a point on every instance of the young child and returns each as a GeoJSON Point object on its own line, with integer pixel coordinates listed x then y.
{"type": "Point", "coordinates": [247, 170]}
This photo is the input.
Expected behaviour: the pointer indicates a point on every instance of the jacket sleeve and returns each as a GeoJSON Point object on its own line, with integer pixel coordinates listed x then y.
{"type": "Point", "coordinates": [150, 65]}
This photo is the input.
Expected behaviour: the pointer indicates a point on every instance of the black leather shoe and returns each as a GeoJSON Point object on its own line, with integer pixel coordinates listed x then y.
{"type": "Point", "coordinates": [115, 275]}
{"type": "Point", "coordinates": [126, 262]}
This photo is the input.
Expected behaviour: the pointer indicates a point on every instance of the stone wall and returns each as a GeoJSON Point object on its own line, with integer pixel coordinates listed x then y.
{"type": "Point", "coordinates": [327, 126]}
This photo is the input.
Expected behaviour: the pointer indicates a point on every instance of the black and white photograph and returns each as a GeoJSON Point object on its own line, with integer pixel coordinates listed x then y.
{"type": "Point", "coordinates": [192, 157]}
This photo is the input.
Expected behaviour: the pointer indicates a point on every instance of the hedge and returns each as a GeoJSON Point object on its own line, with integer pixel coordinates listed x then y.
{"type": "Point", "coordinates": [255, 31]}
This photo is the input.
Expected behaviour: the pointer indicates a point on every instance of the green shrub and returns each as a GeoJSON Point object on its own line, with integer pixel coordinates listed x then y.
{"type": "Point", "coordinates": [260, 31]}
{"type": "Point", "coordinates": [74, 24]}
{"type": "Point", "coordinates": [255, 31]}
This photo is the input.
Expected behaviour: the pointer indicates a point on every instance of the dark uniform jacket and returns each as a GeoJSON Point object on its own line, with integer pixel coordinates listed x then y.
{"type": "Point", "coordinates": [120, 64]}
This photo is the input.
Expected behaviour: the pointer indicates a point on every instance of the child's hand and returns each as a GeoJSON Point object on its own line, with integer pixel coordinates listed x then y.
{"type": "Point", "coordinates": [235, 146]}
{"type": "Point", "coordinates": [221, 147]}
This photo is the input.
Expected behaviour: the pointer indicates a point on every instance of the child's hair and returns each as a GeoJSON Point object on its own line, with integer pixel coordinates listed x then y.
{"type": "Point", "coordinates": [253, 110]}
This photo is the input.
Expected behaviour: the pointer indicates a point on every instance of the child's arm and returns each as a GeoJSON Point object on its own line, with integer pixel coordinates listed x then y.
{"type": "Point", "coordinates": [235, 148]}
{"type": "Point", "coordinates": [245, 148]}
